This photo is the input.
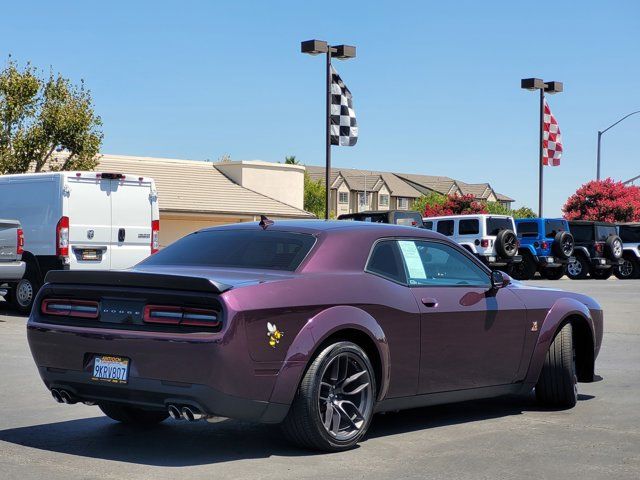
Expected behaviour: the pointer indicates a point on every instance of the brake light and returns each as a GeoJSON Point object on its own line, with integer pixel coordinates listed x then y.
{"type": "Point", "coordinates": [155, 235]}
{"type": "Point", "coordinates": [20, 242]}
{"type": "Point", "coordinates": [484, 243]}
{"type": "Point", "coordinates": [70, 308]}
{"type": "Point", "coordinates": [193, 317]}
{"type": "Point", "coordinates": [599, 247]}
{"type": "Point", "coordinates": [544, 245]}
{"type": "Point", "coordinates": [62, 237]}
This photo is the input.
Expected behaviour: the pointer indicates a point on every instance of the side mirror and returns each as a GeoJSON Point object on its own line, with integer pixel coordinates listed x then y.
{"type": "Point", "coordinates": [499, 279]}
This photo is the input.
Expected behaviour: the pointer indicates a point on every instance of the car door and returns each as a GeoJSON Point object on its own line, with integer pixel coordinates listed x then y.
{"type": "Point", "coordinates": [471, 334]}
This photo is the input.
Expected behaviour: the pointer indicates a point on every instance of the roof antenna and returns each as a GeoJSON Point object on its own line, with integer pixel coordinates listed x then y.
{"type": "Point", "coordinates": [265, 222]}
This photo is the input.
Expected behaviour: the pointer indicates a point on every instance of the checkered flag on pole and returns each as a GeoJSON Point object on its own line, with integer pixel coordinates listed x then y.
{"type": "Point", "coordinates": [551, 139]}
{"type": "Point", "coordinates": [344, 127]}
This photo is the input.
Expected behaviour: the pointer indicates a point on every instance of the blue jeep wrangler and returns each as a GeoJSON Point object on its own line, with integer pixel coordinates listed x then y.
{"type": "Point", "coordinates": [546, 246]}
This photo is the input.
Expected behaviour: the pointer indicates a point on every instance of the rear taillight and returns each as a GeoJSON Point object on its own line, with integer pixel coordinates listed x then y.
{"type": "Point", "coordinates": [20, 242]}
{"type": "Point", "coordinates": [155, 234]}
{"type": "Point", "coordinates": [70, 308]}
{"type": "Point", "coordinates": [62, 237]}
{"type": "Point", "coordinates": [544, 245]}
{"type": "Point", "coordinates": [599, 247]}
{"type": "Point", "coordinates": [193, 317]}
{"type": "Point", "coordinates": [484, 243]}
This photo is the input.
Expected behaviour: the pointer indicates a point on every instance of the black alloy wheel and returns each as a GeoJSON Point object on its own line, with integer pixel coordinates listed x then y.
{"type": "Point", "coordinates": [334, 404]}
{"type": "Point", "coordinates": [629, 269]}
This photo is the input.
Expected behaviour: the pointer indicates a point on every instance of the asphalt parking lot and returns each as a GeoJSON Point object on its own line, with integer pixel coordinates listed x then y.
{"type": "Point", "coordinates": [503, 438]}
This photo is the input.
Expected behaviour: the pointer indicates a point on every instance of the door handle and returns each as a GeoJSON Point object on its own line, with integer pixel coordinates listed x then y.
{"type": "Point", "coordinates": [430, 302]}
{"type": "Point", "coordinates": [121, 234]}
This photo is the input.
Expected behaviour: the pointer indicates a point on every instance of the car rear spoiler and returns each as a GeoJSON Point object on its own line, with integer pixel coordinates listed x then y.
{"type": "Point", "coordinates": [136, 279]}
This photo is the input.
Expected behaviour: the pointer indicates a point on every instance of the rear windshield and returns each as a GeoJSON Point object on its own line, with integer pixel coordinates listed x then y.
{"type": "Point", "coordinates": [582, 233]}
{"type": "Point", "coordinates": [237, 249]}
{"type": "Point", "coordinates": [494, 225]}
{"type": "Point", "coordinates": [367, 217]}
{"type": "Point", "coordinates": [409, 219]}
{"type": "Point", "coordinates": [605, 231]}
{"type": "Point", "coordinates": [630, 234]}
{"type": "Point", "coordinates": [552, 227]}
{"type": "Point", "coordinates": [527, 229]}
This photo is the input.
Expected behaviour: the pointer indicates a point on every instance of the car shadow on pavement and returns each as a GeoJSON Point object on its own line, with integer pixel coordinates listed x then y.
{"type": "Point", "coordinates": [179, 444]}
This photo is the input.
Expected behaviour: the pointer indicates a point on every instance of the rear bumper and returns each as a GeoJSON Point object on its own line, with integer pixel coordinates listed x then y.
{"type": "Point", "coordinates": [550, 261]}
{"type": "Point", "coordinates": [212, 372]}
{"type": "Point", "coordinates": [497, 261]}
{"type": "Point", "coordinates": [600, 262]}
{"type": "Point", "coordinates": [11, 271]}
{"type": "Point", "coordinates": [159, 394]}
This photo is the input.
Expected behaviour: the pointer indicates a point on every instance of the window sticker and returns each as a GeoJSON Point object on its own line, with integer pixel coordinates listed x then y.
{"type": "Point", "coordinates": [412, 259]}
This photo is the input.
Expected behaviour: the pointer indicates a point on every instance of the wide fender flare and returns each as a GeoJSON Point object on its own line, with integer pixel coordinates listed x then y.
{"type": "Point", "coordinates": [562, 309]}
{"type": "Point", "coordinates": [635, 252]}
{"type": "Point", "coordinates": [469, 246]}
{"type": "Point", "coordinates": [314, 333]}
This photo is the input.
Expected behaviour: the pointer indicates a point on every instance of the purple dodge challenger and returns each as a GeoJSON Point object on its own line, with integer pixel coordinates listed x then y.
{"type": "Point", "coordinates": [315, 325]}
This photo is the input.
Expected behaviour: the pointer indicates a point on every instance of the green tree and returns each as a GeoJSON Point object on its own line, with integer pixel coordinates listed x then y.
{"type": "Point", "coordinates": [291, 160]}
{"type": "Point", "coordinates": [314, 196]}
{"type": "Point", "coordinates": [498, 208]}
{"type": "Point", "coordinates": [420, 204]}
{"type": "Point", "coordinates": [39, 116]}
{"type": "Point", "coordinates": [524, 212]}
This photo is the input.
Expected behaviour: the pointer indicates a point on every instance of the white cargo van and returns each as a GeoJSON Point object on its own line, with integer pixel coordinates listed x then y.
{"type": "Point", "coordinates": [80, 221]}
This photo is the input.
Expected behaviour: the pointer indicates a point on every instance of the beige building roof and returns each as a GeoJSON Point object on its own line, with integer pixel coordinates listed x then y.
{"type": "Point", "coordinates": [192, 186]}
{"type": "Point", "coordinates": [406, 184]}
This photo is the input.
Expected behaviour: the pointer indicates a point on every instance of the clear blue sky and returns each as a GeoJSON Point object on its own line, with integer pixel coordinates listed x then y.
{"type": "Point", "coordinates": [435, 84]}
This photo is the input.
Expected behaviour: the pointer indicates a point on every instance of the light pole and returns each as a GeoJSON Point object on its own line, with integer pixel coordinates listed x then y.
{"type": "Point", "coordinates": [341, 52]}
{"type": "Point", "coordinates": [600, 132]}
{"type": "Point", "coordinates": [549, 87]}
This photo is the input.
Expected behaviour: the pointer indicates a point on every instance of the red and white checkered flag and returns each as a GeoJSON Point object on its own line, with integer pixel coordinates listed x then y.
{"type": "Point", "coordinates": [551, 139]}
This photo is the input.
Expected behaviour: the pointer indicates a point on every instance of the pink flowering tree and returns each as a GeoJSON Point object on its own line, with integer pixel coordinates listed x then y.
{"type": "Point", "coordinates": [604, 200]}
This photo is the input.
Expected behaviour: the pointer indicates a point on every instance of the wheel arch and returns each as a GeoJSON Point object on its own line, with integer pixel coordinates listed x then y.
{"type": "Point", "coordinates": [566, 310]}
{"type": "Point", "coordinates": [333, 324]}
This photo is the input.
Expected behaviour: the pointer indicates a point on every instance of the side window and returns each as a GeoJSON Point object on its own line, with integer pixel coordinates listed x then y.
{"type": "Point", "coordinates": [385, 261]}
{"type": "Point", "coordinates": [445, 227]}
{"type": "Point", "coordinates": [469, 226]}
{"type": "Point", "coordinates": [527, 229]}
{"type": "Point", "coordinates": [437, 264]}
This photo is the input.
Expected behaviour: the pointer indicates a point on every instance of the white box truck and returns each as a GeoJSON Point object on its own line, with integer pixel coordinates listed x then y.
{"type": "Point", "coordinates": [79, 221]}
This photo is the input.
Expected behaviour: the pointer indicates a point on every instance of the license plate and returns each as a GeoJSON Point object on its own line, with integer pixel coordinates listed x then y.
{"type": "Point", "coordinates": [107, 368]}
{"type": "Point", "coordinates": [90, 255]}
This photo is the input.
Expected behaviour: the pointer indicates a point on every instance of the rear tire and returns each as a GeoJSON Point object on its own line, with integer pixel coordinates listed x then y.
{"type": "Point", "coordinates": [553, 273]}
{"type": "Point", "coordinates": [317, 403]}
{"type": "Point", "coordinates": [524, 270]}
{"type": "Point", "coordinates": [133, 415]}
{"type": "Point", "coordinates": [578, 269]}
{"type": "Point", "coordinates": [25, 291]}
{"type": "Point", "coordinates": [557, 385]}
{"type": "Point", "coordinates": [628, 270]}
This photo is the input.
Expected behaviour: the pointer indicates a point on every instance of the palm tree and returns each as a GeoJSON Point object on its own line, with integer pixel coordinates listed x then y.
{"type": "Point", "coordinates": [291, 160]}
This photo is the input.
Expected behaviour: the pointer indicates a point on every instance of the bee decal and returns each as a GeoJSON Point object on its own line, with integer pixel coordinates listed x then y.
{"type": "Point", "coordinates": [274, 334]}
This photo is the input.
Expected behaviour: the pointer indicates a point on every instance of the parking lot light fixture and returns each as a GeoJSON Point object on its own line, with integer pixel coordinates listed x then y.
{"type": "Point", "coordinates": [341, 52]}
{"type": "Point", "coordinates": [533, 84]}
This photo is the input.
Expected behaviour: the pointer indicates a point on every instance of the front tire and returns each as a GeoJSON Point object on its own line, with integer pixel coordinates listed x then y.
{"type": "Point", "coordinates": [333, 406]}
{"type": "Point", "coordinates": [558, 382]}
{"type": "Point", "coordinates": [132, 415]}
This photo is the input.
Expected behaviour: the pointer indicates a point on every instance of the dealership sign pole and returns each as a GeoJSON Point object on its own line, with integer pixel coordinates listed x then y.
{"type": "Point", "coordinates": [341, 125]}
{"type": "Point", "coordinates": [550, 145]}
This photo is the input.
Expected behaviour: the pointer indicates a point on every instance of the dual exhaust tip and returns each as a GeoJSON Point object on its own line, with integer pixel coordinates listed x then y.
{"type": "Point", "coordinates": [62, 396]}
{"type": "Point", "coordinates": [190, 414]}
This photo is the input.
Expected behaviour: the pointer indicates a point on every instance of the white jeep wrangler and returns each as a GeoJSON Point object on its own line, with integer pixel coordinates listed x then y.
{"type": "Point", "coordinates": [630, 266]}
{"type": "Point", "coordinates": [491, 238]}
